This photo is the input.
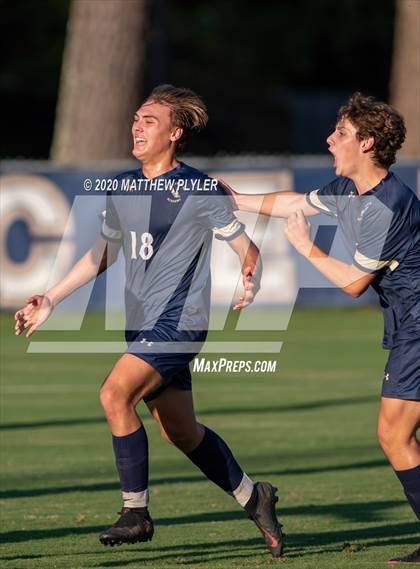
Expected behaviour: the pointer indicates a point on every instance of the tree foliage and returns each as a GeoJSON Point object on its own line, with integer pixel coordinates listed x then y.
{"type": "Point", "coordinates": [272, 73]}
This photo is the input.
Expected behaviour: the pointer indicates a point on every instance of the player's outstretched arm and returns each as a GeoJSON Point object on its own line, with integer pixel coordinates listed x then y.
{"type": "Point", "coordinates": [276, 204]}
{"type": "Point", "coordinates": [349, 278]}
{"type": "Point", "coordinates": [251, 267]}
{"type": "Point", "coordinates": [39, 307]}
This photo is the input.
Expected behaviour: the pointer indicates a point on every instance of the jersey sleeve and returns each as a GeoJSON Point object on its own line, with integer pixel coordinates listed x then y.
{"type": "Point", "coordinates": [215, 211]}
{"type": "Point", "coordinates": [111, 228]}
{"type": "Point", "coordinates": [383, 240]}
{"type": "Point", "coordinates": [326, 199]}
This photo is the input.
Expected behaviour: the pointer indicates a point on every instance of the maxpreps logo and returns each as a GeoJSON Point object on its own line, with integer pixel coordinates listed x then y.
{"type": "Point", "coordinates": [223, 365]}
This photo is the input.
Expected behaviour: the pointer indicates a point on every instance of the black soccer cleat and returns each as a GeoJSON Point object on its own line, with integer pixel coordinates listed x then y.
{"type": "Point", "coordinates": [133, 526]}
{"type": "Point", "coordinates": [264, 517]}
{"type": "Point", "coordinates": [413, 557]}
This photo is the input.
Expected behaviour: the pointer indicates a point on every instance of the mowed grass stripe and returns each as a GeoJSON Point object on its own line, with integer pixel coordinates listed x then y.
{"type": "Point", "coordinates": [309, 428]}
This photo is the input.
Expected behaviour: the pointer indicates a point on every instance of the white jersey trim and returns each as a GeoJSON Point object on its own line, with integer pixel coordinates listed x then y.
{"type": "Point", "coordinates": [374, 264]}
{"type": "Point", "coordinates": [110, 233]}
{"type": "Point", "coordinates": [316, 202]}
{"type": "Point", "coordinates": [228, 230]}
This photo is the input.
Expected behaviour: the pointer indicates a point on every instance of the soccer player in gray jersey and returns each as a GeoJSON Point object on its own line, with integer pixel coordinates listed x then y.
{"type": "Point", "coordinates": [379, 217]}
{"type": "Point", "coordinates": [165, 237]}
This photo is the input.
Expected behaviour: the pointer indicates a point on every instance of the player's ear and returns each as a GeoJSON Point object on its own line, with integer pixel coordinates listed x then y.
{"type": "Point", "coordinates": [367, 144]}
{"type": "Point", "coordinates": [176, 134]}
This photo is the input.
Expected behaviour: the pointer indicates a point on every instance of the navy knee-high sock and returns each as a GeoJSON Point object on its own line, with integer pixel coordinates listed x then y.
{"type": "Point", "coordinates": [132, 460]}
{"type": "Point", "coordinates": [410, 480]}
{"type": "Point", "coordinates": [215, 459]}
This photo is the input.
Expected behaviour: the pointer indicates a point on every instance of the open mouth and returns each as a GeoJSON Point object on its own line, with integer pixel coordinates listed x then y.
{"type": "Point", "coordinates": [139, 140]}
{"type": "Point", "coordinates": [333, 156]}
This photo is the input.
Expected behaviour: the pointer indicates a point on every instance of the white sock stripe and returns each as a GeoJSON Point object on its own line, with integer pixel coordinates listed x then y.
{"type": "Point", "coordinates": [136, 499]}
{"type": "Point", "coordinates": [243, 492]}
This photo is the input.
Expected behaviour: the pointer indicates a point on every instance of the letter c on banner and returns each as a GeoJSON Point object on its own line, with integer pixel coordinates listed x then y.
{"type": "Point", "coordinates": [42, 206]}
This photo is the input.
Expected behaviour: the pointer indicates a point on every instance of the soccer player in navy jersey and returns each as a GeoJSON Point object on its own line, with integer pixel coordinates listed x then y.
{"type": "Point", "coordinates": [379, 217]}
{"type": "Point", "coordinates": [163, 216]}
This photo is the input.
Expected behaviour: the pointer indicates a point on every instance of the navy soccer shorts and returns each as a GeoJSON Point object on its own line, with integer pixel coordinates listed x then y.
{"type": "Point", "coordinates": [402, 371]}
{"type": "Point", "coordinates": [173, 366]}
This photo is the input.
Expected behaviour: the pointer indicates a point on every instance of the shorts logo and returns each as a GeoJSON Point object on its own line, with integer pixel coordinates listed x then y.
{"type": "Point", "coordinates": [144, 341]}
{"type": "Point", "coordinates": [386, 377]}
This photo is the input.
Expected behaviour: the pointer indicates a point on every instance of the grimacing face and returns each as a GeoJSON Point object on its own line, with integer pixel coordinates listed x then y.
{"type": "Point", "coordinates": [153, 134]}
{"type": "Point", "coordinates": [345, 147]}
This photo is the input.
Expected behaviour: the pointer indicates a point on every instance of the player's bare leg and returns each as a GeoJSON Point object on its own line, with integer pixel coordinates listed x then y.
{"type": "Point", "coordinates": [130, 380]}
{"type": "Point", "coordinates": [174, 412]}
{"type": "Point", "coordinates": [398, 423]}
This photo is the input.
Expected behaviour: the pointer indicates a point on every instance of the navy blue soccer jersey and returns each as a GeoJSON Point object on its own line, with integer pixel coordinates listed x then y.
{"type": "Point", "coordinates": [381, 230]}
{"type": "Point", "coordinates": [165, 226]}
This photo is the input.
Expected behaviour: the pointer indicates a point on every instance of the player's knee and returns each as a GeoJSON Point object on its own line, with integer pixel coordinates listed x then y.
{"type": "Point", "coordinates": [384, 435]}
{"type": "Point", "coordinates": [166, 437]}
{"type": "Point", "coordinates": [111, 398]}
{"type": "Point", "coordinates": [392, 437]}
{"type": "Point", "coordinates": [176, 438]}
{"type": "Point", "coordinates": [105, 397]}
{"type": "Point", "coordinates": [184, 440]}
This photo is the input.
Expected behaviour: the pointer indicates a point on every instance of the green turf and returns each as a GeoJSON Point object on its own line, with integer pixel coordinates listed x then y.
{"type": "Point", "coordinates": [309, 428]}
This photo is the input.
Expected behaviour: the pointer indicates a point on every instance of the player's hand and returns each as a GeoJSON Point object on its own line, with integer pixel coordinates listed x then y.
{"type": "Point", "coordinates": [250, 289]}
{"type": "Point", "coordinates": [230, 192]}
{"type": "Point", "coordinates": [298, 231]}
{"type": "Point", "coordinates": [37, 310]}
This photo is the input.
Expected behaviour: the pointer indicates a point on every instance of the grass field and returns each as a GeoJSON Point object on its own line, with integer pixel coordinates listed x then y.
{"type": "Point", "coordinates": [309, 428]}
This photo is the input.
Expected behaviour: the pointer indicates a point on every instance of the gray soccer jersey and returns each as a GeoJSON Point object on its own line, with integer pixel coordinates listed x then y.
{"type": "Point", "coordinates": [166, 226]}
{"type": "Point", "coordinates": [382, 232]}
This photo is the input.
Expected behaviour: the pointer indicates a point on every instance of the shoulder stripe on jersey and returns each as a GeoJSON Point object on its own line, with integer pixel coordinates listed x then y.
{"type": "Point", "coordinates": [109, 232]}
{"type": "Point", "coordinates": [316, 202]}
{"type": "Point", "coordinates": [374, 264]}
{"type": "Point", "coordinates": [228, 230]}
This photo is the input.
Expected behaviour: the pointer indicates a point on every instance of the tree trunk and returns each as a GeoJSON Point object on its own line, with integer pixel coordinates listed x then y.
{"type": "Point", "coordinates": [101, 81]}
{"type": "Point", "coordinates": [405, 79]}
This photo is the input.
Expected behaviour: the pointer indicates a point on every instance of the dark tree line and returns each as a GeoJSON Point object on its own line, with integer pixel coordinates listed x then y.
{"type": "Point", "coordinates": [272, 73]}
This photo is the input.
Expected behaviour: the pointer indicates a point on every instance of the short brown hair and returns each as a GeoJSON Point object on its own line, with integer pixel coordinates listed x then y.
{"type": "Point", "coordinates": [188, 110]}
{"type": "Point", "coordinates": [375, 119]}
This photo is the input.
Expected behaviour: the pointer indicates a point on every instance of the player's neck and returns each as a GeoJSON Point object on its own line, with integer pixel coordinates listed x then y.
{"type": "Point", "coordinates": [157, 166]}
{"type": "Point", "coordinates": [368, 177]}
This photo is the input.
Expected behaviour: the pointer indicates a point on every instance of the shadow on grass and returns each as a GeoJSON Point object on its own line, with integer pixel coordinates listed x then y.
{"type": "Point", "coordinates": [297, 545]}
{"type": "Point", "coordinates": [308, 406]}
{"type": "Point", "coordinates": [108, 486]}
{"type": "Point", "coordinates": [386, 541]}
{"type": "Point", "coordinates": [177, 553]}
{"type": "Point", "coordinates": [381, 535]}
{"type": "Point", "coordinates": [204, 413]}
{"type": "Point", "coordinates": [53, 423]}
{"type": "Point", "coordinates": [238, 549]}
{"type": "Point", "coordinates": [354, 512]}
